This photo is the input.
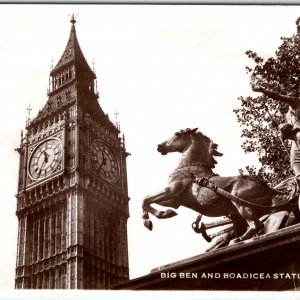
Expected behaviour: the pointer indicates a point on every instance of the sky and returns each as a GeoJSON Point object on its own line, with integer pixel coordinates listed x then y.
{"type": "Point", "coordinates": [164, 68]}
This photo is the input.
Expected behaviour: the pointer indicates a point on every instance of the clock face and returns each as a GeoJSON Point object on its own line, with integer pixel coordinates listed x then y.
{"type": "Point", "coordinates": [104, 161]}
{"type": "Point", "coordinates": [45, 159]}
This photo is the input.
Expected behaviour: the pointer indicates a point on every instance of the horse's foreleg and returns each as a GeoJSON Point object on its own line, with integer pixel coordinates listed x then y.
{"type": "Point", "coordinates": [169, 213]}
{"type": "Point", "coordinates": [147, 208]}
{"type": "Point", "coordinates": [164, 196]}
{"type": "Point", "coordinates": [162, 214]}
{"type": "Point", "coordinates": [147, 222]}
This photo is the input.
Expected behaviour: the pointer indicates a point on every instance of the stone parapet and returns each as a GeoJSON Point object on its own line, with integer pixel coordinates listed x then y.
{"type": "Point", "coordinates": [266, 263]}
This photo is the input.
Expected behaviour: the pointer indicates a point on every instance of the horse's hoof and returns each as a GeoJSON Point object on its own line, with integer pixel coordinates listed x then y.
{"type": "Point", "coordinates": [170, 213]}
{"type": "Point", "coordinates": [234, 241]}
{"type": "Point", "coordinates": [148, 224]}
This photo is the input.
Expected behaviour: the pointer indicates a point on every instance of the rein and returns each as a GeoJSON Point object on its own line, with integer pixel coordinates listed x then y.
{"type": "Point", "coordinates": [204, 182]}
{"type": "Point", "coordinates": [193, 164]}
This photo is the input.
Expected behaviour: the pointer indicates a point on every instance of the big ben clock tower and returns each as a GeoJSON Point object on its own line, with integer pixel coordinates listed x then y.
{"type": "Point", "coordinates": [72, 200]}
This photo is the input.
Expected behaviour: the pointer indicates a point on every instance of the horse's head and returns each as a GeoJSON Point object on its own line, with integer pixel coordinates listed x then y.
{"type": "Point", "coordinates": [184, 140]}
{"type": "Point", "coordinates": [177, 143]}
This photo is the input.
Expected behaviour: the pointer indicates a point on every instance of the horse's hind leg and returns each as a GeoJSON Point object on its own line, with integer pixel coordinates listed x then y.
{"type": "Point", "coordinates": [255, 225]}
{"type": "Point", "coordinates": [239, 223]}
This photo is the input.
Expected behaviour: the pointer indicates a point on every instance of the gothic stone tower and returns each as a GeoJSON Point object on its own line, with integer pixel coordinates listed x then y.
{"type": "Point", "coordinates": [72, 201]}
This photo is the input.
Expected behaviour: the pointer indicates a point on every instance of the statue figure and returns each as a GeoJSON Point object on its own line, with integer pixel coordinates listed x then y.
{"type": "Point", "coordinates": [193, 184]}
{"type": "Point", "coordinates": [291, 129]}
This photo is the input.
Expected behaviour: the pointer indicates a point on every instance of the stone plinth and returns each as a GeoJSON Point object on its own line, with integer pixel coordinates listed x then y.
{"type": "Point", "coordinates": [266, 263]}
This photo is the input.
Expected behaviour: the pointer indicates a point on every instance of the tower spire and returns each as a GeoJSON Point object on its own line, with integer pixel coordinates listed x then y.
{"type": "Point", "coordinates": [72, 54]}
{"type": "Point", "coordinates": [73, 20]}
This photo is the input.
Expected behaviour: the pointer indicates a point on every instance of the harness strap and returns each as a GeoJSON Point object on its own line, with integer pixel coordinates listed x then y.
{"type": "Point", "coordinates": [204, 182]}
{"type": "Point", "coordinates": [286, 180]}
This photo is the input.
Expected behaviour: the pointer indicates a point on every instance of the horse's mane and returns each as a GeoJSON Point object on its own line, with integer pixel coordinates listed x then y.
{"type": "Point", "coordinates": [211, 146]}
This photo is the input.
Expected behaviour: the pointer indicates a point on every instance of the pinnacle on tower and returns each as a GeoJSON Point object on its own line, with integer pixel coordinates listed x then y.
{"type": "Point", "coordinates": [73, 20]}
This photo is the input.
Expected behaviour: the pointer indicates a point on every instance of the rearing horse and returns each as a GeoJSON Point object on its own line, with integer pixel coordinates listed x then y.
{"type": "Point", "coordinates": [198, 153]}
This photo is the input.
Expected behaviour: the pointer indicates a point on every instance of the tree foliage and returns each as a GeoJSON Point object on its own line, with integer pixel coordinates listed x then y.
{"type": "Point", "coordinates": [259, 117]}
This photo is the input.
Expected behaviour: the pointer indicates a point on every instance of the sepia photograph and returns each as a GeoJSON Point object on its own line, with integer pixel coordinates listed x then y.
{"type": "Point", "coordinates": [149, 148]}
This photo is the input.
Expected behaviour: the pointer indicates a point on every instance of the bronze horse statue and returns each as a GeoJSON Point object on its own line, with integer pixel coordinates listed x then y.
{"type": "Point", "coordinates": [198, 153]}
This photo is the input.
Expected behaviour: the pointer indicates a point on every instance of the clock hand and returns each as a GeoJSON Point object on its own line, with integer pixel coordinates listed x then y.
{"type": "Point", "coordinates": [104, 159]}
{"type": "Point", "coordinates": [46, 156]}
{"type": "Point", "coordinates": [103, 163]}
{"type": "Point", "coordinates": [41, 167]}
{"type": "Point", "coordinates": [43, 163]}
